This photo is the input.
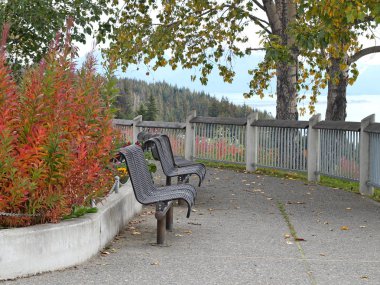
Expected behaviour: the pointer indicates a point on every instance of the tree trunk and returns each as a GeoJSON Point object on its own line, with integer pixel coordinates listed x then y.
{"type": "Point", "coordinates": [336, 96]}
{"type": "Point", "coordinates": [280, 14]}
{"type": "Point", "coordinates": [286, 105]}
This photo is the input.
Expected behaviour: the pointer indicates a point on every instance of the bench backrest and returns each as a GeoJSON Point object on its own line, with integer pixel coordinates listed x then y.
{"type": "Point", "coordinates": [141, 179]}
{"type": "Point", "coordinates": [144, 138]}
{"type": "Point", "coordinates": [164, 152]}
{"type": "Point", "coordinates": [165, 141]}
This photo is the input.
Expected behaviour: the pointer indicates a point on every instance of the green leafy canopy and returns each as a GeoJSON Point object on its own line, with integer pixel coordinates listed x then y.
{"type": "Point", "coordinates": [198, 35]}
{"type": "Point", "coordinates": [35, 24]}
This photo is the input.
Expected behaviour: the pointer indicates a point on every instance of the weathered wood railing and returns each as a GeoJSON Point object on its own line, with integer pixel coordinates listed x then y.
{"type": "Point", "coordinates": [348, 150]}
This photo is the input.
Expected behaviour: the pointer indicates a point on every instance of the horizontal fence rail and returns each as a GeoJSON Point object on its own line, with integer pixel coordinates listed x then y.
{"type": "Point", "coordinates": [348, 150]}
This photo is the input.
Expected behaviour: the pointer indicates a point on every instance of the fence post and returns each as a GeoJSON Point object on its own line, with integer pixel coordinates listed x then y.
{"type": "Point", "coordinates": [252, 138]}
{"type": "Point", "coordinates": [365, 189]}
{"type": "Point", "coordinates": [136, 129]}
{"type": "Point", "coordinates": [313, 149]}
{"type": "Point", "coordinates": [190, 136]}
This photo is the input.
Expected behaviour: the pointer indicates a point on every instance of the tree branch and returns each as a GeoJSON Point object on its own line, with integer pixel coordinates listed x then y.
{"type": "Point", "coordinates": [259, 5]}
{"type": "Point", "coordinates": [273, 17]}
{"type": "Point", "coordinates": [260, 23]}
{"type": "Point", "coordinates": [255, 19]}
{"type": "Point", "coordinates": [255, 49]}
{"type": "Point", "coordinates": [366, 19]}
{"type": "Point", "coordinates": [363, 52]}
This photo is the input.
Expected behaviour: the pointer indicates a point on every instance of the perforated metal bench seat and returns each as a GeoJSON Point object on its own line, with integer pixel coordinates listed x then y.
{"type": "Point", "coordinates": [145, 191]}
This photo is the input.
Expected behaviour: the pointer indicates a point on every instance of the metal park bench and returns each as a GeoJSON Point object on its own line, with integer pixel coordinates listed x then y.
{"type": "Point", "coordinates": [146, 193]}
{"type": "Point", "coordinates": [172, 167]}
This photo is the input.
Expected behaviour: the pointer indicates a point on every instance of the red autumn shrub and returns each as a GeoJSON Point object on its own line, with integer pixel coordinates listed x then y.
{"type": "Point", "coordinates": [56, 139]}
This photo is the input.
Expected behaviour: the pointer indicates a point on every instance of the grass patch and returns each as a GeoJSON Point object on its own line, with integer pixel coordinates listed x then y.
{"type": "Point", "coordinates": [224, 165]}
{"type": "Point", "coordinates": [346, 185]}
{"type": "Point", "coordinates": [376, 195]}
{"type": "Point", "coordinates": [285, 215]}
{"type": "Point", "coordinates": [80, 211]}
{"type": "Point", "coordinates": [282, 174]}
{"type": "Point", "coordinates": [350, 186]}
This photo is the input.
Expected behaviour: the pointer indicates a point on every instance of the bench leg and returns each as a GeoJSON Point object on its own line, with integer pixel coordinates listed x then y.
{"type": "Point", "coordinates": [181, 181]}
{"type": "Point", "coordinates": [169, 219]}
{"type": "Point", "coordinates": [168, 181]}
{"type": "Point", "coordinates": [161, 231]}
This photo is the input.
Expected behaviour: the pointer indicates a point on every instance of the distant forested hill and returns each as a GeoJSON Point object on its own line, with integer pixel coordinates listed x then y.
{"type": "Point", "coordinates": [164, 102]}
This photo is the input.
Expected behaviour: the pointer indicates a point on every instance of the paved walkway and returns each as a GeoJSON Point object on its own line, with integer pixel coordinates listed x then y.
{"type": "Point", "coordinates": [242, 232]}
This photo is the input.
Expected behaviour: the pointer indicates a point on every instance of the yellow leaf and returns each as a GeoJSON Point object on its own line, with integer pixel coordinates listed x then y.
{"type": "Point", "coordinates": [344, 228]}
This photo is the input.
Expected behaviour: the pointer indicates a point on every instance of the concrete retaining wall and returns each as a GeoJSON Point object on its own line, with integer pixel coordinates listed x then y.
{"type": "Point", "coordinates": [40, 248]}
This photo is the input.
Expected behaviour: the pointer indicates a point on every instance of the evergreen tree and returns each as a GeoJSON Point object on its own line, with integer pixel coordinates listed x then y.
{"type": "Point", "coordinates": [213, 109]}
{"type": "Point", "coordinates": [151, 111]}
{"type": "Point", "coordinates": [141, 111]}
{"type": "Point", "coordinates": [171, 103]}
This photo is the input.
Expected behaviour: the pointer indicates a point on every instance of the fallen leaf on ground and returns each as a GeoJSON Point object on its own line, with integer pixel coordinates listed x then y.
{"type": "Point", "coordinates": [299, 239]}
{"type": "Point", "coordinates": [364, 277]}
{"type": "Point", "coordinates": [289, 242]}
{"type": "Point", "coordinates": [248, 184]}
{"type": "Point", "coordinates": [269, 198]}
{"type": "Point", "coordinates": [287, 235]}
{"type": "Point", "coordinates": [348, 209]}
{"type": "Point", "coordinates": [194, 210]}
{"type": "Point", "coordinates": [155, 263]}
{"type": "Point", "coordinates": [210, 209]}
{"type": "Point", "coordinates": [189, 232]}
{"type": "Point", "coordinates": [178, 235]}
{"type": "Point", "coordinates": [362, 227]}
{"type": "Point", "coordinates": [196, 224]}
{"type": "Point", "coordinates": [344, 228]}
{"type": "Point", "coordinates": [322, 254]}
{"type": "Point", "coordinates": [217, 178]}
{"type": "Point", "coordinates": [105, 252]}
{"type": "Point", "coordinates": [244, 180]}
{"type": "Point", "coordinates": [295, 202]}
{"type": "Point", "coordinates": [136, 233]}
